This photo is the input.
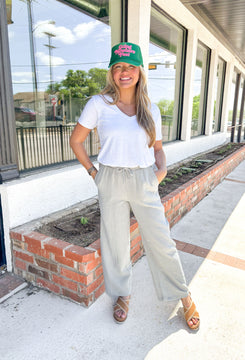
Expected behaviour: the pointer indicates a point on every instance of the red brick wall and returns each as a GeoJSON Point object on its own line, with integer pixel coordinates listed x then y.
{"type": "Point", "coordinates": [75, 272]}
{"type": "Point", "coordinates": [182, 200]}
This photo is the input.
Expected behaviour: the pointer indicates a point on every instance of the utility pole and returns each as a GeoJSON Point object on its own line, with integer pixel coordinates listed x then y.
{"type": "Point", "coordinates": [50, 48]}
{"type": "Point", "coordinates": [32, 46]}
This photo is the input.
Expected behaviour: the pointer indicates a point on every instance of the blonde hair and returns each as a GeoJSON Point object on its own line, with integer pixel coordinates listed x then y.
{"type": "Point", "coordinates": [143, 113]}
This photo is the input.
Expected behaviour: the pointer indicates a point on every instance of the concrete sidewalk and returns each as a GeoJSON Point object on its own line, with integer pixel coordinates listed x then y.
{"type": "Point", "coordinates": [38, 325]}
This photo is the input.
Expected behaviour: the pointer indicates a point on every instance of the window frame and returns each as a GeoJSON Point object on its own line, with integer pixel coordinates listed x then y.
{"type": "Point", "coordinates": [205, 89]}
{"type": "Point", "coordinates": [180, 100]}
{"type": "Point", "coordinates": [221, 96]}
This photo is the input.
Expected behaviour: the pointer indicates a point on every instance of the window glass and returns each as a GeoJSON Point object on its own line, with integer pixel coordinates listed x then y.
{"type": "Point", "coordinates": [219, 90]}
{"type": "Point", "coordinates": [200, 90]}
{"type": "Point", "coordinates": [231, 103]}
{"type": "Point", "coordinates": [239, 108]}
{"type": "Point", "coordinates": [59, 58]}
{"type": "Point", "coordinates": [165, 73]}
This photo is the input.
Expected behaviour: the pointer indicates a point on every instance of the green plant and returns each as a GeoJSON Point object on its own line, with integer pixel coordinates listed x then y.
{"type": "Point", "coordinates": [228, 147]}
{"type": "Point", "coordinates": [162, 183]}
{"type": "Point", "coordinates": [175, 177]}
{"type": "Point", "coordinates": [84, 220]}
{"type": "Point", "coordinates": [168, 179]}
{"type": "Point", "coordinates": [221, 152]}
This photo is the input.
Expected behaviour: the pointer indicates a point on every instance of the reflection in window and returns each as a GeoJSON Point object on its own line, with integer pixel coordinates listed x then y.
{"type": "Point", "coordinates": [59, 59]}
{"type": "Point", "coordinates": [239, 109]}
{"type": "Point", "coordinates": [165, 71]}
{"type": "Point", "coordinates": [219, 90]}
{"type": "Point", "coordinates": [200, 91]}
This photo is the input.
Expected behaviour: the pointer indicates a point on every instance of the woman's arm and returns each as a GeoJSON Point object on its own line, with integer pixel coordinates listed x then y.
{"type": "Point", "coordinates": [160, 161]}
{"type": "Point", "coordinates": [77, 139]}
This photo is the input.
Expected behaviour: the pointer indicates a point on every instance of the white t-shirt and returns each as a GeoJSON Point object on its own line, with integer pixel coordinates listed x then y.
{"type": "Point", "coordinates": [123, 142]}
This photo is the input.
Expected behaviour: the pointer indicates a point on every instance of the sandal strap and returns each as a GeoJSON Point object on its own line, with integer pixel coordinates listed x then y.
{"type": "Point", "coordinates": [191, 312]}
{"type": "Point", "coordinates": [121, 304]}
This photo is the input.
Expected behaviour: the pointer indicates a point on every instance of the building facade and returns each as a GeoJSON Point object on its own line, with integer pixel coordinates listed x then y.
{"type": "Point", "coordinates": [54, 56]}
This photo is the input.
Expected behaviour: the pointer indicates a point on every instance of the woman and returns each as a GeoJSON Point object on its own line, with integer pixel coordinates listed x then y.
{"type": "Point", "coordinates": [129, 128]}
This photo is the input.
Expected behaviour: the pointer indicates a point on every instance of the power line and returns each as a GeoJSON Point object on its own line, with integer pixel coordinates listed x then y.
{"type": "Point", "coordinates": [25, 83]}
{"type": "Point", "coordinates": [90, 63]}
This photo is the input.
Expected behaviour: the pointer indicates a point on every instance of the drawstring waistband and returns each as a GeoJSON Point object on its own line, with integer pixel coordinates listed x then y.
{"type": "Point", "coordinates": [125, 171]}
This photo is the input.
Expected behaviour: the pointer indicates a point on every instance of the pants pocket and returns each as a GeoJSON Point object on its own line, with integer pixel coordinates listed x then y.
{"type": "Point", "coordinates": [154, 176]}
{"type": "Point", "coordinates": [98, 175]}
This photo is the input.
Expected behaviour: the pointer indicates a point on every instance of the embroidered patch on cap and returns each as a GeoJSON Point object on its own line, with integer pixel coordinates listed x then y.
{"type": "Point", "coordinates": [126, 52]}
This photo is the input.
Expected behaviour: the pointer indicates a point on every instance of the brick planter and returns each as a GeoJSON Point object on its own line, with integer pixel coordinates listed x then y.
{"type": "Point", "coordinates": [76, 272]}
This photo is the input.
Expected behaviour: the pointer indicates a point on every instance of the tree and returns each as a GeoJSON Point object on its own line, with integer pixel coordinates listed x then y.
{"type": "Point", "coordinates": [56, 87]}
{"type": "Point", "coordinates": [96, 80]}
{"type": "Point", "coordinates": [166, 107]}
{"type": "Point", "coordinates": [79, 84]}
{"type": "Point", "coordinates": [75, 84]}
{"type": "Point", "coordinates": [195, 107]}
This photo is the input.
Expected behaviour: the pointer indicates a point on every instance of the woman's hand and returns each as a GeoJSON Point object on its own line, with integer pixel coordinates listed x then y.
{"type": "Point", "coordinates": [160, 174]}
{"type": "Point", "coordinates": [160, 162]}
{"type": "Point", "coordinates": [94, 173]}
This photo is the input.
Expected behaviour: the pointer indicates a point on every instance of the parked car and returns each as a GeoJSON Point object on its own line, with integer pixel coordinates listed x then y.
{"type": "Point", "coordinates": [24, 114]}
{"type": "Point", "coordinates": [54, 118]}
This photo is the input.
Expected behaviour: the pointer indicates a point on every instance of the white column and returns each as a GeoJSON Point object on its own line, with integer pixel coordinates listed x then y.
{"type": "Point", "coordinates": [115, 21]}
{"type": "Point", "coordinates": [188, 86]}
{"type": "Point", "coordinates": [211, 92]}
{"type": "Point", "coordinates": [139, 15]}
{"type": "Point", "coordinates": [226, 98]}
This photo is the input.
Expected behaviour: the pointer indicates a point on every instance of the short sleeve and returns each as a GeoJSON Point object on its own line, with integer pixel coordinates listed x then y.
{"type": "Point", "coordinates": [158, 121]}
{"type": "Point", "coordinates": [89, 116]}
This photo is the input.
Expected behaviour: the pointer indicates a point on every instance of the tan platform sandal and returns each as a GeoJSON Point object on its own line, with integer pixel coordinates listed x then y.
{"type": "Point", "coordinates": [192, 313]}
{"type": "Point", "coordinates": [121, 304]}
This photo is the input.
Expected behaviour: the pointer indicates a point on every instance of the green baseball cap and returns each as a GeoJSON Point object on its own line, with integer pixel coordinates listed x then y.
{"type": "Point", "coordinates": [126, 52]}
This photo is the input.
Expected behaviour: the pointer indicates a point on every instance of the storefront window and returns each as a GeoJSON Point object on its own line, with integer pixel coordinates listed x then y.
{"type": "Point", "coordinates": [165, 76]}
{"type": "Point", "coordinates": [200, 90]}
{"type": "Point", "coordinates": [240, 104]}
{"type": "Point", "coordinates": [231, 103]}
{"type": "Point", "coordinates": [59, 58]}
{"type": "Point", "coordinates": [219, 90]}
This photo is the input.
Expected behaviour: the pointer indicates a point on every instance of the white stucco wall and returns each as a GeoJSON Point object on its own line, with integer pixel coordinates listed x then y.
{"type": "Point", "coordinates": [37, 195]}
{"type": "Point", "coordinates": [34, 196]}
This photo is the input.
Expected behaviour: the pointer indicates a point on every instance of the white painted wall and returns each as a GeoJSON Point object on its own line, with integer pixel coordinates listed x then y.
{"type": "Point", "coordinates": [34, 196]}
{"type": "Point", "coordinates": [179, 150]}
{"type": "Point", "coordinates": [37, 195]}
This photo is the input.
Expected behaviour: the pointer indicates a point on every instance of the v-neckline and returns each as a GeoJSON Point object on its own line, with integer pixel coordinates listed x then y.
{"type": "Point", "coordinates": [122, 112]}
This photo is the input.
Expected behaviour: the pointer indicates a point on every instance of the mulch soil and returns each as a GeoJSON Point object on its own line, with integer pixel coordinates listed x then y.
{"type": "Point", "coordinates": [83, 232]}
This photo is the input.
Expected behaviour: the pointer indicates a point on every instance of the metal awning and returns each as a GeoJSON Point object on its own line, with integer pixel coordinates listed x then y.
{"type": "Point", "coordinates": [225, 19]}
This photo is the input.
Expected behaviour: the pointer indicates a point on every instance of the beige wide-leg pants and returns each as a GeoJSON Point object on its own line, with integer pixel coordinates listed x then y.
{"type": "Point", "coordinates": [122, 188]}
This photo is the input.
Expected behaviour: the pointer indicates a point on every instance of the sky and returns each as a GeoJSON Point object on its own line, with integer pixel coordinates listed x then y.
{"type": "Point", "coordinates": [79, 41]}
